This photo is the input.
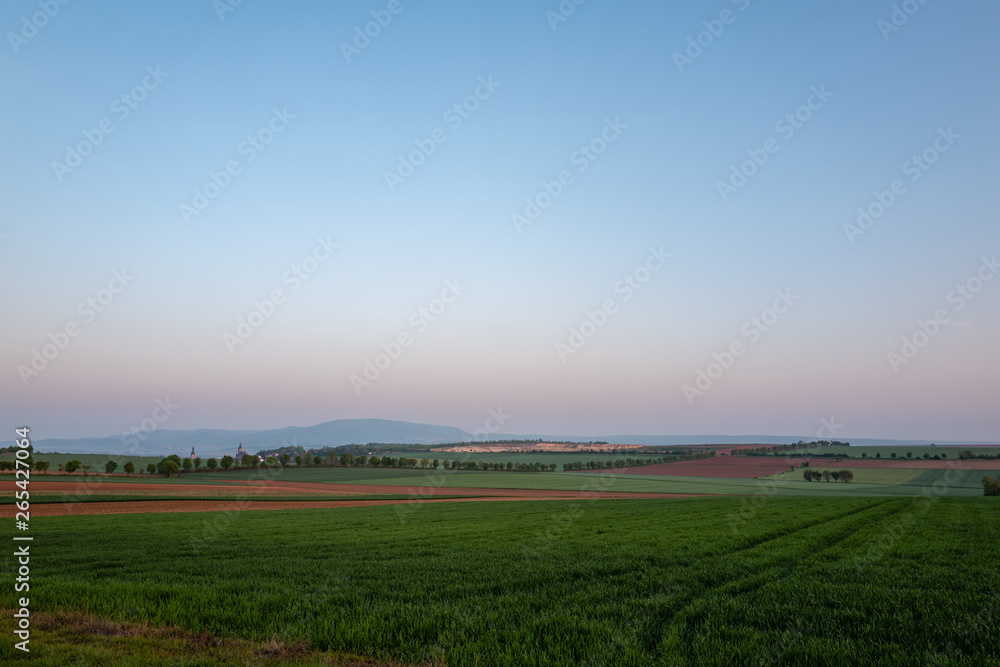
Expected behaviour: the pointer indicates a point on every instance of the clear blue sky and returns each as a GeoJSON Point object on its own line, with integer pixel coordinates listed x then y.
{"type": "Point", "coordinates": [608, 68]}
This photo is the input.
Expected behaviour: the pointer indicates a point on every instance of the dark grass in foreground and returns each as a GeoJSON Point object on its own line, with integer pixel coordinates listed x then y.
{"type": "Point", "coordinates": [812, 581]}
{"type": "Point", "coordinates": [53, 498]}
{"type": "Point", "coordinates": [74, 639]}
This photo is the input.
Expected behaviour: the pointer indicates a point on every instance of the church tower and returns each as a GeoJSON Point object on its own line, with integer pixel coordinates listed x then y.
{"type": "Point", "coordinates": [192, 454]}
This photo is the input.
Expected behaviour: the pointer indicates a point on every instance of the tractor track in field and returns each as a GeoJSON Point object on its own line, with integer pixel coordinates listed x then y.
{"type": "Point", "coordinates": [742, 585]}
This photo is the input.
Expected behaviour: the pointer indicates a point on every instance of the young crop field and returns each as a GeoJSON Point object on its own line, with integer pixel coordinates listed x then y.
{"type": "Point", "coordinates": [894, 482]}
{"type": "Point", "coordinates": [810, 581]}
{"type": "Point", "coordinates": [95, 461]}
{"type": "Point", "coordinates": [949, 452]}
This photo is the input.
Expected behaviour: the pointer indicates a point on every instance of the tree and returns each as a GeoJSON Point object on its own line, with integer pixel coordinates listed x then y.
{"type": "Point", "coordinates": [909, 455]}
{"type": "Point", "coordinates": [187, 465]}
{"type": "Point", "coordinates": [826, 475]}
{"type": "Point", "coordinates": [286, 459]}
{"type": "Point", "coordinates": [110, 467]}
{"type": "Point", "coordinates": [807, 475]}
{"type": "Point", "coordinates": [227, 462]}
{"type": "Point", "coordinates": [966, 454]}
{"type": "Point", "coordinates": [298, 459]}
{"type": "Point", "coordinates": [424, 463]}
{"type": "Point", "coordinates": [129, 467]}
{"type": "Point", "coordinates": [435, 463]}
{"type": "Point", "coordinates": [816, 475]}
{"type": "Point", "coordinates": [197, 462]}
{"type": "Point", "coordinates": [991, 487]}
{"type": "Point", "coordinates": [893, 455]}
{"type": "Point", "coordinates": [846, 475]}
{"type": "Point", "coordinates": [346, 459]}
{"type": "Point", "coordinates": [374, 461]}
{"type": "Point", "coordinates": [151, 468]}
{"type": "Point", "coordinates": [835, 474]}
{"type": "Point", "coordinates": [168, 467]}
{"type": "Point", "coordinates": [73, 466]}
{"type": "Point", "coordinates": [249, 461]}
{"type": "Point", "coordinates": [42, 466]}
{"type": "Point", "coordinates": [878, 455]}
{"type": "Point", "coordinates": [212, 464]}
{"type": "Point", "coordinates": [271, 461]}
{"type": "Point", "coordinates": [864, 455]}
{"type": "Point", "coordinates": [317, 460]}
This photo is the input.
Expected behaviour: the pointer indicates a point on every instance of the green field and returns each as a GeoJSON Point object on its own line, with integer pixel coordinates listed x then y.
{"type": "Point", "coordinates": [949, 453]}
{"type": "Point", "coordinates": [861, 475]}
{"type": "Point", "coordinates": [96, 461]}
{"type": "Point", "coordinates": [611, 482]}
{"type": "Point", "coordinates": [809, 581]}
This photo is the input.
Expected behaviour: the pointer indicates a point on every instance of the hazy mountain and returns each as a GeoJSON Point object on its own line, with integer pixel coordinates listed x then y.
{"type": "Point", "coordinates": [215, 442]}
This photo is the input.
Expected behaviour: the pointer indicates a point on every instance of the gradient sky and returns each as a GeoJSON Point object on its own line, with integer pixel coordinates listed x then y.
{"type": "Point", "coordinates": [495, 346]}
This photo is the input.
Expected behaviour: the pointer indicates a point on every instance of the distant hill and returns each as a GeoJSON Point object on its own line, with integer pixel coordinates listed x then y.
{"type": "Point", "coordinates": [212, 442]}
{"type": "Point", "coordinates": [216, 442]}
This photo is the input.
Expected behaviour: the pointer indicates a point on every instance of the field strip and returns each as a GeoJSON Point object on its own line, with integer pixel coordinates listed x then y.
{"type": "Point", "coordinates": [222, 505]}
{"type": "Point", "coordinates": [679, 633]}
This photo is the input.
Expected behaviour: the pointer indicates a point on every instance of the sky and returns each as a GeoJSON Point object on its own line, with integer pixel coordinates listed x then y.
{"type": "Point", "coordinates": [725, 217]}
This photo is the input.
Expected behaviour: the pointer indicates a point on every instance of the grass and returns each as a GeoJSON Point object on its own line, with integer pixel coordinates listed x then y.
{"type": "Point", "coordinates": [818, 581]}
{"type": "Point", "coordinates": [75, 639]}
{"type": "Point", "coordinates": [50, 498]}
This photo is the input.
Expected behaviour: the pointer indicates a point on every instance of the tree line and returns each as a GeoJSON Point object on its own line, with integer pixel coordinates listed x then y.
{"type": "Point", "coordinates": [826, 475]}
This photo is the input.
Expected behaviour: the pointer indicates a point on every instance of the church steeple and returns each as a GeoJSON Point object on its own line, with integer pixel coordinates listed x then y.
{"type": "Point", "coordinates": [192, 454]}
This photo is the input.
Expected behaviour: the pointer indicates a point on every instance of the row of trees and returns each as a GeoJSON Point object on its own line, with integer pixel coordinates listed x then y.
{"type": "Point", "coordinates": [774, 450]}
{"type": "Point", "coordinates": [630, 462]}
{"type": "Point", "coordinates": [827, 475]}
